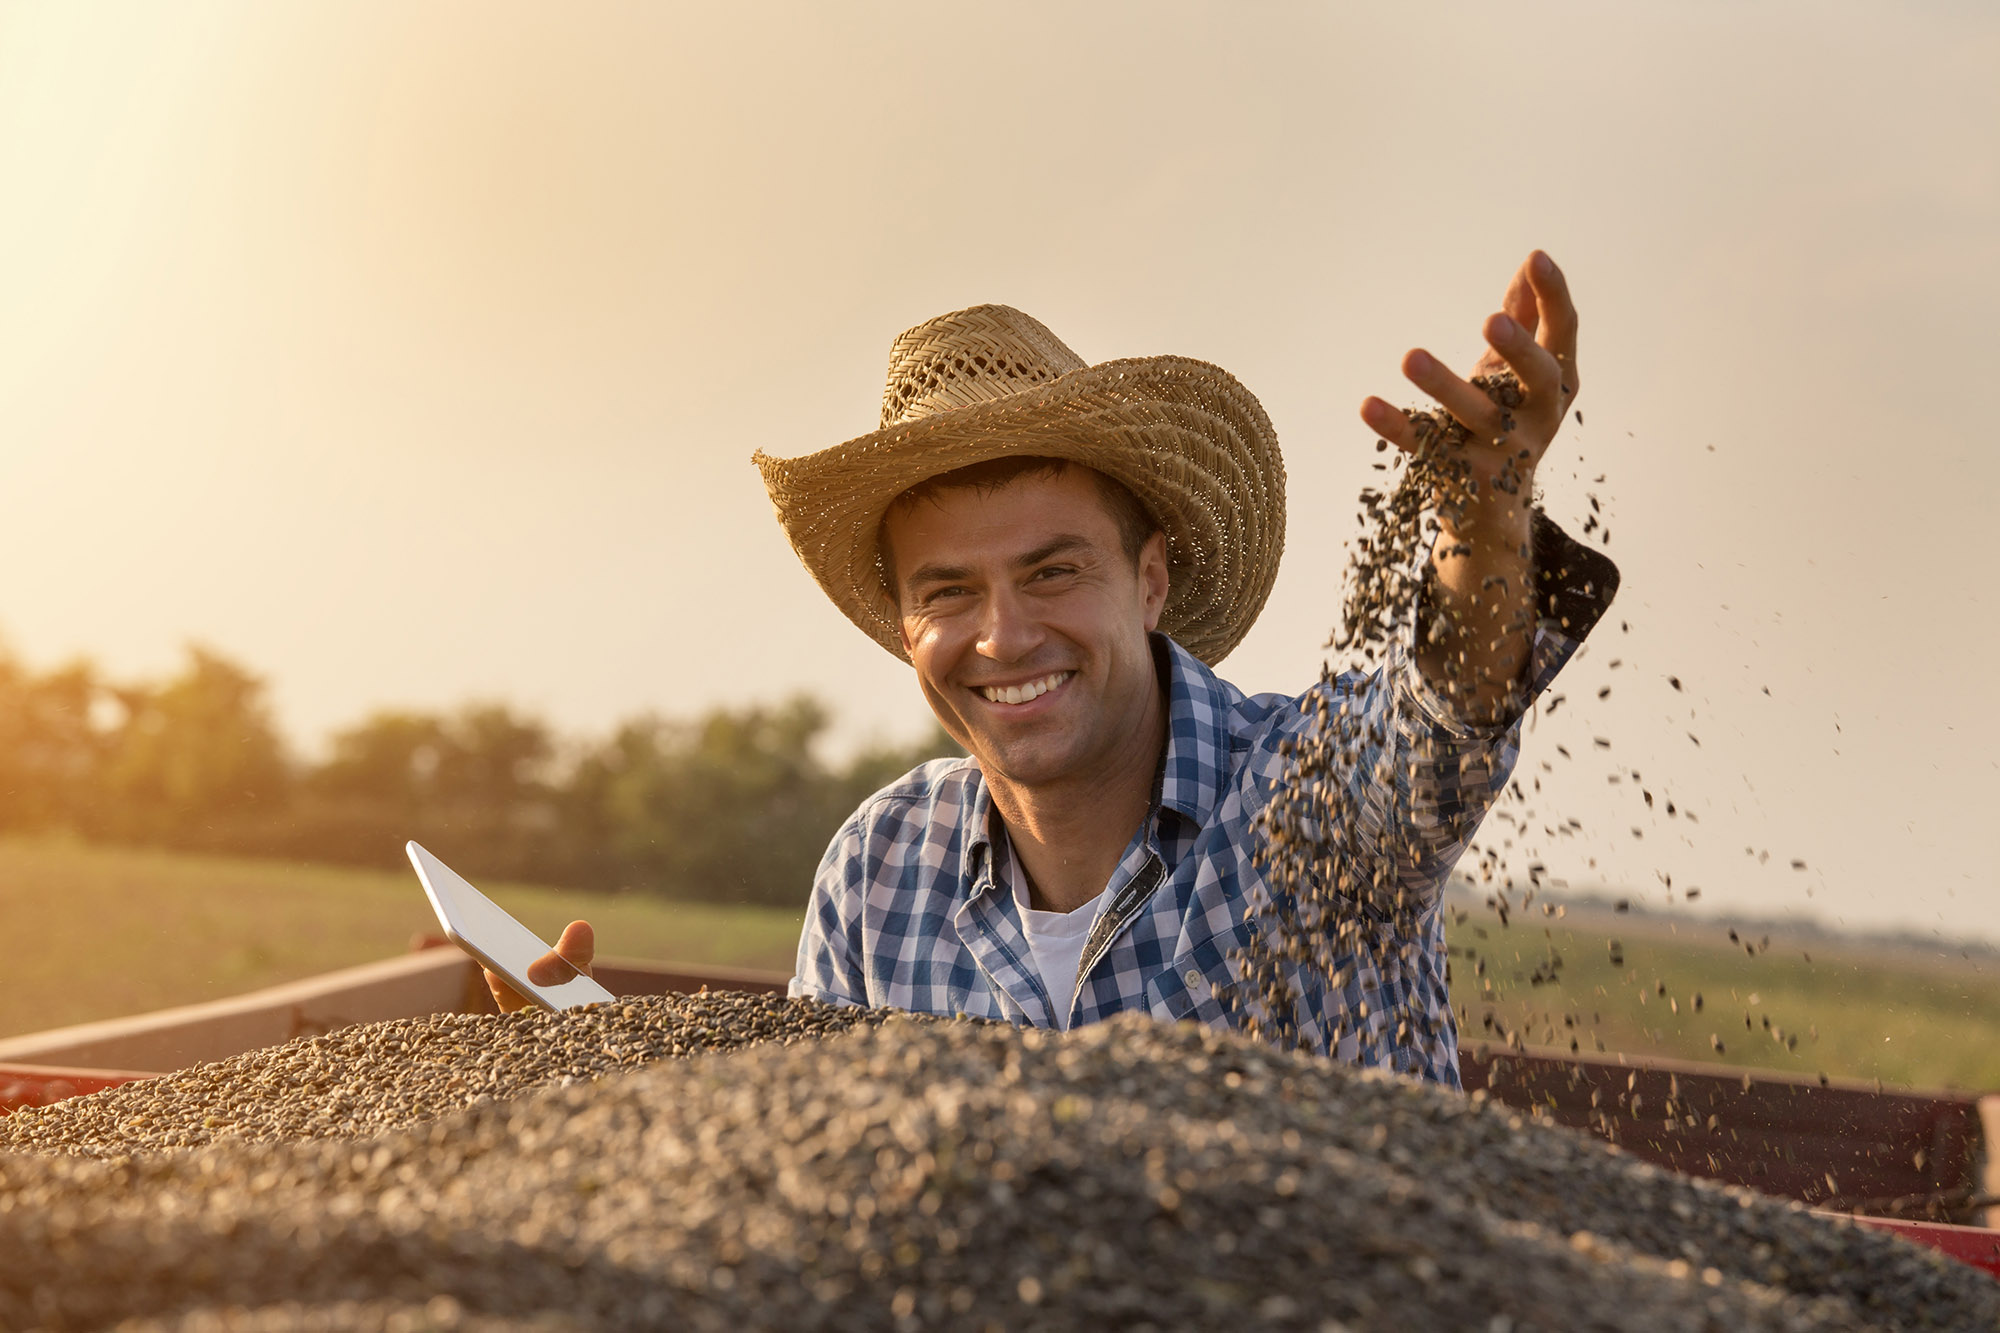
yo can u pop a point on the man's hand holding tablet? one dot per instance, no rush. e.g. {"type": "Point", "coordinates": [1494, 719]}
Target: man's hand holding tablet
{"type": "Point", "coordinates": [520, 968]}
{"type": "Point", "coordinates": [572, 954]}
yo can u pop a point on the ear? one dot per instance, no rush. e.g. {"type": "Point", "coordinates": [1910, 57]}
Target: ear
{"type": "Point", "coordinates": [1153, 578]}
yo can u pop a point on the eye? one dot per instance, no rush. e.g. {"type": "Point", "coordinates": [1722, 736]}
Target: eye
{"type": "Point", "coordinates": [1047, 572]}
{"type": "Point", "coordinates": [935, 595]}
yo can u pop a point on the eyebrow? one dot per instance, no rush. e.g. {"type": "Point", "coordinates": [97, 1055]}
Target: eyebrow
{"type": "Point", "coordinates": [1057, 545]}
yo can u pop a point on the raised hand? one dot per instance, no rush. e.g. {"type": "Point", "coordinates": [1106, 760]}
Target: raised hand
{"type": "Point", "coordinates": [1482, 563]}
{"type": "Point", "coordinates": [1534, 336]}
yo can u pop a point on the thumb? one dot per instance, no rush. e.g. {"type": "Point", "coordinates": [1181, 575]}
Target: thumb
{"type": "Point", "coordinates": [1519, 302]}
{"type": "Point", "coordinates": [572, 954]}
{"type": "Point", "coordinates": [578, 945]}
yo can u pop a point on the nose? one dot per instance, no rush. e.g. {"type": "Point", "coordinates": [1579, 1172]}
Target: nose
{"type": "Point", "coordinates": [1010, 630]}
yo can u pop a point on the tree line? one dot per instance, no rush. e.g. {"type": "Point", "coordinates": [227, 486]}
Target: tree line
{"type": "Point", "coordinates": [736, 805]}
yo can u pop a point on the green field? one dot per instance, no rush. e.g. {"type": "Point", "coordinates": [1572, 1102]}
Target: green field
{"type": "Point", "coordinates": [100, 932]}
{"type": "Point", "coordinates": [1925, 1018]}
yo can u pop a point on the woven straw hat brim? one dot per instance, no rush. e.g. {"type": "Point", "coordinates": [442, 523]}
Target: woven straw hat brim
{"type": "Point", "coordinates": [1189, 441]}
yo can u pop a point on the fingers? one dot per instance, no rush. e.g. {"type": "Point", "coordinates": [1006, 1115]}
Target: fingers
{"type": "Point", "coordinates": [1558, 315]}
{"type": "Point", "coordinates": [1470, 405]}
{"type": "Point", "coordinates": [573, 954]}
{"type": "Point", "coordinates": [579, 945]}
{"type": "Point", "coordinates": [505, 996]}
{"type": "Point", "coordinates": [1528, 359]}
{"type": "Point", "coordinates": [1520, 303]}
{"type": "Point", "coordinates": [1388, 421]}
{"type": "Point", "coordinates": [1534, 335]}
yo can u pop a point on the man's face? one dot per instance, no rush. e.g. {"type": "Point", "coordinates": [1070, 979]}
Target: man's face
{"type": "Point", "coordinates": [1027, 623]}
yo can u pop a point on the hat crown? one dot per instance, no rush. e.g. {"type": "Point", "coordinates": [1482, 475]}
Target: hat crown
{"type": "Point", "coordinates": [970, 356]}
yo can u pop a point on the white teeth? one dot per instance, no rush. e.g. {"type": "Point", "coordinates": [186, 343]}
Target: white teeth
{"type": "Point", "coordinates": [1020, 694]}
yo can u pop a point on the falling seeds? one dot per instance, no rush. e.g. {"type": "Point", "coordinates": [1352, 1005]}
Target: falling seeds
{"type": "Point", "coordinates": [1317, 916]}
{"type": "Point", "coordinates": [1314, 918]}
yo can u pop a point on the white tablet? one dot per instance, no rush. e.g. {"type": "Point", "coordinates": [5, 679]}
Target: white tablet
{"type": "Point", "coordinates": [478, 925]}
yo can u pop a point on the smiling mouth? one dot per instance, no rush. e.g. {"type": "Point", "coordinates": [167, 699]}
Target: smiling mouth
{"type": "Point", "coordinates": [1020, 694]}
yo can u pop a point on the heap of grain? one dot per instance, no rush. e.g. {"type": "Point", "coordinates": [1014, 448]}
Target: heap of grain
{"type": "Point", "coordinates": [910, 1174]}
{"type": "Point", "coordinates": [373, 1077]}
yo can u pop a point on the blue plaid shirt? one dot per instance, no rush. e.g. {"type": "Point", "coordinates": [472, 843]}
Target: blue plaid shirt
{"type": "Point", "coordinates": [911, 908]}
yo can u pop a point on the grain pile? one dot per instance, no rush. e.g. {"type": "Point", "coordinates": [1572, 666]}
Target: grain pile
{"type": "Point", "coordinates": [372, 1077]}
{"type": "Point", "coordinates": [939, 1174]}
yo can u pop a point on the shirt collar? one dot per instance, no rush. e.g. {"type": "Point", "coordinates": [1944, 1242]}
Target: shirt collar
{"type": "Point", "coordinates": [1193, 769]}
{"type": "Point", "coordinates": [1190, 778]}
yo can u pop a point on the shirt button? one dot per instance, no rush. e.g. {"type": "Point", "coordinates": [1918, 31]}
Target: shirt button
{"type": "Point", "coordinates": [1193, 977]}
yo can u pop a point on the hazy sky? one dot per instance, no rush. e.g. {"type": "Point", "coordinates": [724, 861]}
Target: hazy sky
{"type": "Point", "coordinates": [410, 353]}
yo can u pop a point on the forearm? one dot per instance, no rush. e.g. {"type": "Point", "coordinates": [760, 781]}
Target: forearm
{"type": "Point", "coordinates": [1473, 645]}
{"type": "Point", "coordinates": [1482, 446]}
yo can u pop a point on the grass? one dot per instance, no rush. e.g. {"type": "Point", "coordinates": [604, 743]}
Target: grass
{"type": "Point", "coordinates": [1890, 1012]}
{"type": "Point", "coordinates": [97, 932]}
{"type": "Point", "coordinates": [101, 932]}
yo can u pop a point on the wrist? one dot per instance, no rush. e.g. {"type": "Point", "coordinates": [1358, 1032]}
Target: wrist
{"type": "Point", "coordinates": [1491, 515]}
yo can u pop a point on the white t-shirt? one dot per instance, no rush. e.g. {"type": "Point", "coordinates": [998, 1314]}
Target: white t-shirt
{"type": "Point", "coordinates": [1056, 940]}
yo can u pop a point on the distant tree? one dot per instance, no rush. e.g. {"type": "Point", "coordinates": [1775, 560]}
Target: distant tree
{"type": "Point", "coordinates": [391, 759]}
{"type": "Point", "coordinates": [736, 806]}
{"type": "Point", "coordinates": [191, 758]}
{"type": "Point", "coordinates": [475, 786]}
{"type": "Point", "coordinates": [495, 759]}
{"type": "Point", "coordinates": [712, 809]}
{"type": "Point", "coordinates": [50, 747]}
{"type": "Point", "coordinates": [879, 765]}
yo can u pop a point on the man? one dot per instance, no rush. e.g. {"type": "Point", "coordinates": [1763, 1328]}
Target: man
{"type": "Point", "coordinates": [1062, 552]}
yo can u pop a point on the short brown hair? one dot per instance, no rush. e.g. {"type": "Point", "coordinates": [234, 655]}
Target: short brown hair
{"type": "Point", "coordinates": [1134, 521]}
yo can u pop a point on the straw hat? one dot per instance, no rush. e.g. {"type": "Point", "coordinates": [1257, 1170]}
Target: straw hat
{"type": "Point", "coordinates": [1189, 441]}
